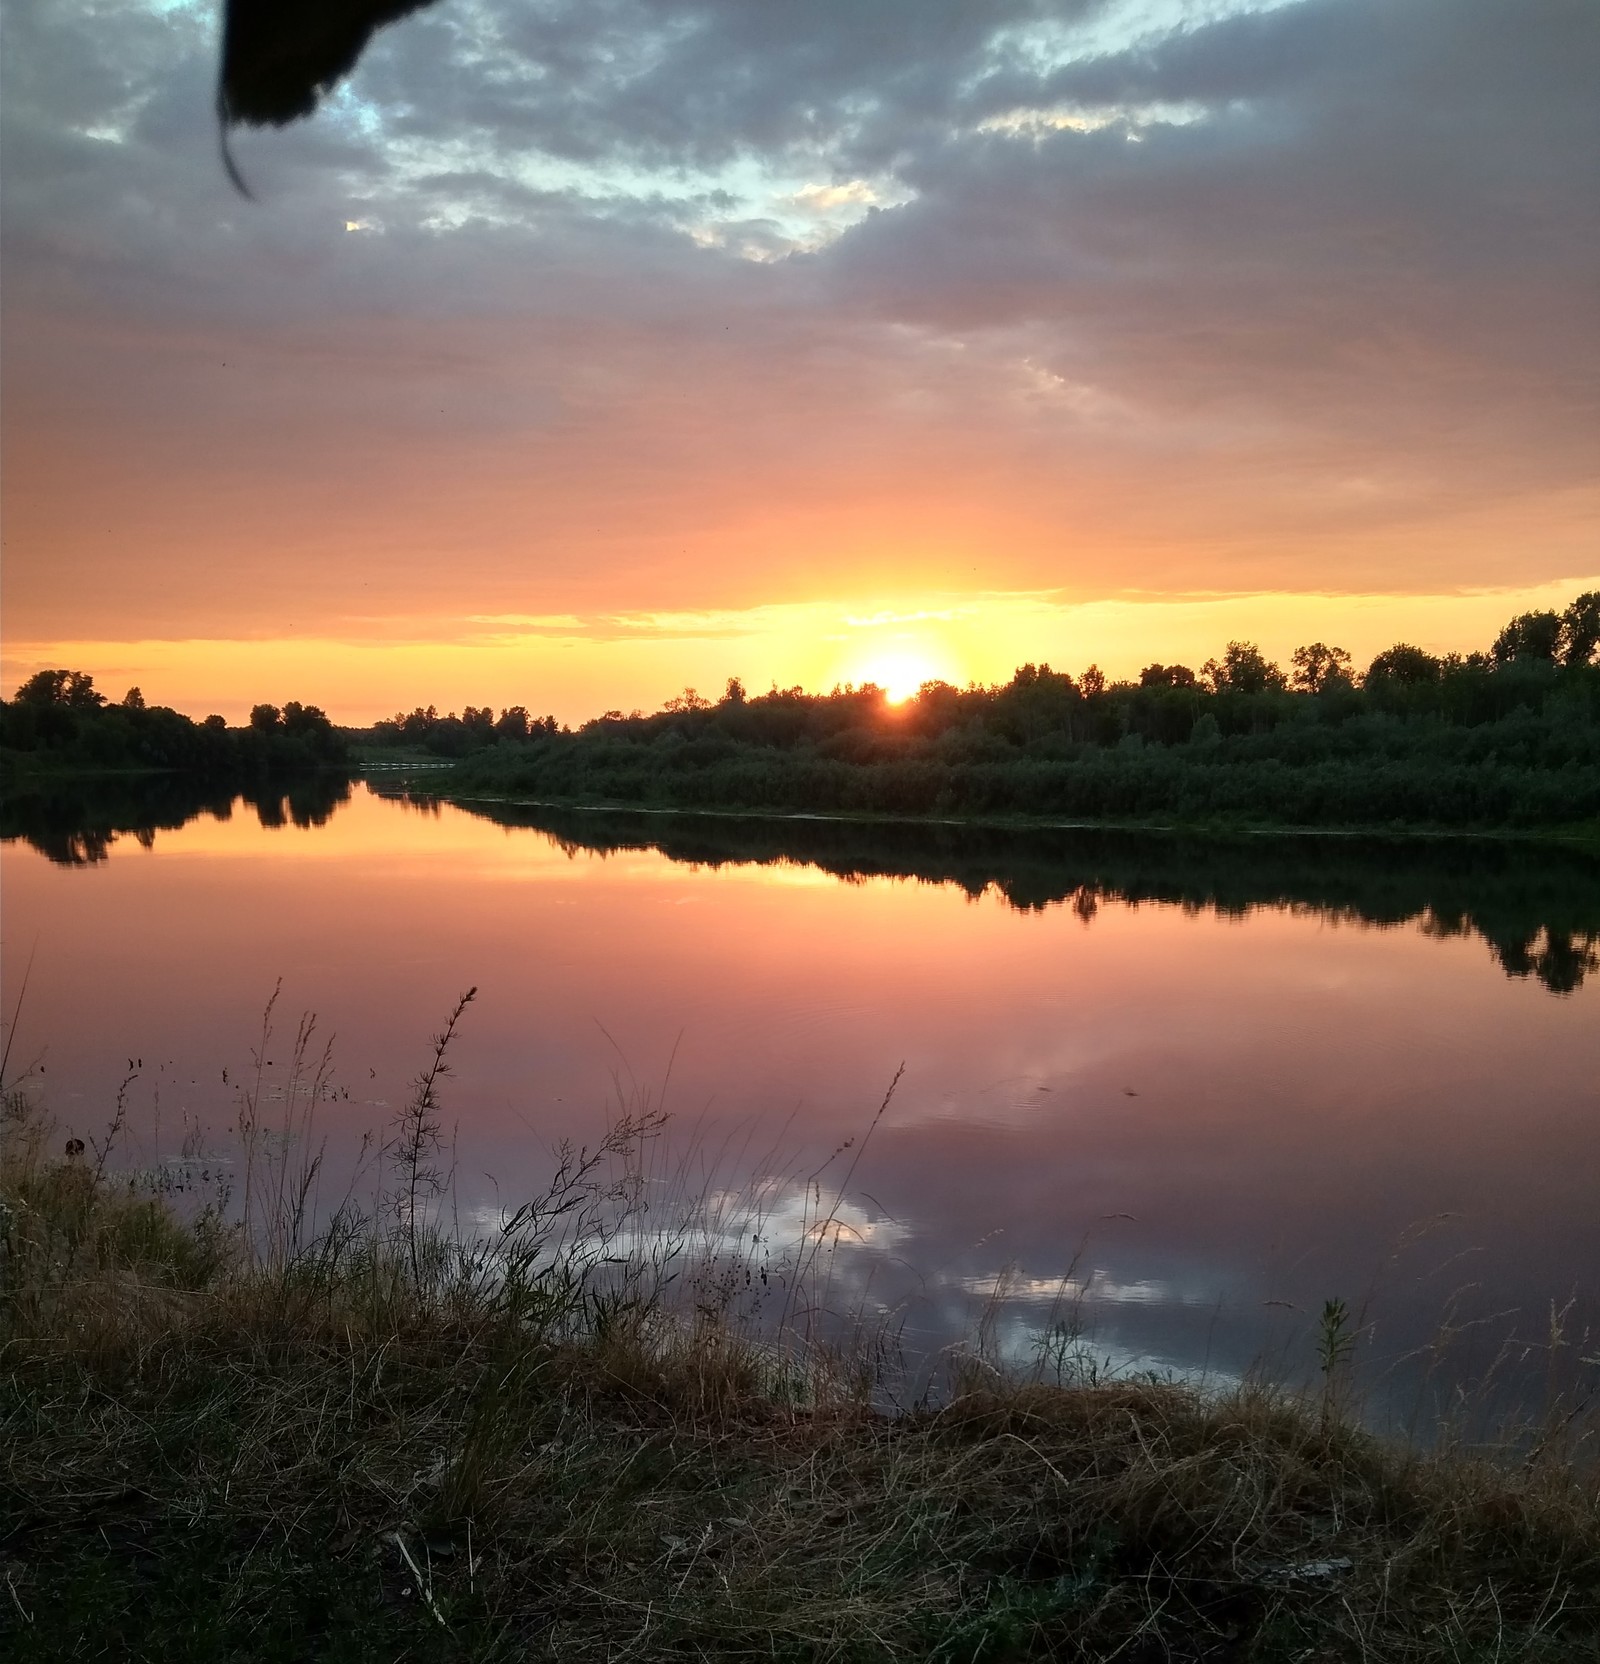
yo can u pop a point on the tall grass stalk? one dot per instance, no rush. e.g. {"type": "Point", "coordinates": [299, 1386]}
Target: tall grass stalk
{"type": "Point", "coordinates": [419, 1133]}
{"type": "Point", "coordinates": [574, 1437]}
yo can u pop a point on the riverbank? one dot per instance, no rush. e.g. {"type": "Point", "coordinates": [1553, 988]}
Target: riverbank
{"type": "Point", "coordinates": [373, 1444]}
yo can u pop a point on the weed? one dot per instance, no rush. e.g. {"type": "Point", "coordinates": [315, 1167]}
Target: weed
{"type": "Point", "coordinates": [1336, 1342]}
{"type": "Point", "coordinates": [367, 1439]}
{"type": "Point", "coordinates": [418, 1138]}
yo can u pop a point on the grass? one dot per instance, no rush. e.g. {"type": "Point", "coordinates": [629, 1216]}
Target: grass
{"type": "Point", "coordinates": [369, 1439]}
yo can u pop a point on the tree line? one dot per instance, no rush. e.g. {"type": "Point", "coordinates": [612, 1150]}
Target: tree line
{"type": "Point", "coordinates": [444, 734]}
{"type": "Point", "coordinates": [1506, 737]}
{"type": "Point", "coordinates": [59, 721]}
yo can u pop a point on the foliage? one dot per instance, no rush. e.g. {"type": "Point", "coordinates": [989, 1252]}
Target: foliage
{"type": "Point", "coordinates": [444, 734]}
{"type": "Point", "coordinates": [1244, 669]}
{"type": "Point", "coordinates": [59, 722]}
{"type": "Point", "coordinates": [1319, 666]}
{"type": "Point", "coordinates": [1506, 739]}
{"type": "Point", "coordinates": [1039, 748]}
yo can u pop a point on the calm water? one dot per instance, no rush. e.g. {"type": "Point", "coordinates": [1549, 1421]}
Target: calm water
{"type": "Point", "coordinates": [1210, 1086]}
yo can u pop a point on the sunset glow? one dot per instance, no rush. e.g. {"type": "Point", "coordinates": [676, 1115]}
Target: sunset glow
{"type": "Point", "coordinates": [575, 666]}
{"type": "Point", "coordinates": [1124, 337]}
{"type": "Point", "coordinates": [901, 674]}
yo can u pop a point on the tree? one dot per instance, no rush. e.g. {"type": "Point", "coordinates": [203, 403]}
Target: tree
{"type": "Point", "coordinates": [264, 718]}
{"type": "Point", "coordinates": [306, 720]}
{"type": "Point", "coordinates": [1530, 635]}
{"type": "Point", "coordinates": [1244, 669]}
{"type": "Point", "coordinates": [1404, 666]}
{"type": "Point", "coordinates": [72, 688]}
{"type": "Point", "coordinates": [1580, 629]}
{"type": "Point", "coordinates": [1168, 676]}
{"type": "Point", "coordinates": [133, 700]}
{"type": "Point", "coordinates": [1319, 666]}
{"type": "Point", "coordinates": [1092, 682]}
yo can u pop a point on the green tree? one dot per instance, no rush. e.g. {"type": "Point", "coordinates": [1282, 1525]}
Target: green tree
{"type": "Point", "coordinates": [1580, 629]}
{"type": "Point", "coordinates": [307, 721]}
{"type": "Point", "coordinates": [1319, 666]}
{"type": "Point", "coordinates": [1403, 665]}
{"type": "Point", "coordinates": [1244, 669]}
{"type": "Point", "coordinates": [72, 688]}
{"type": "Point", "coordinates": [1530, 635]}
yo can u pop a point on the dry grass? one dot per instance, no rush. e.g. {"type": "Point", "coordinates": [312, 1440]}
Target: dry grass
{"type": "Point", "coordinates": [375, 1445]}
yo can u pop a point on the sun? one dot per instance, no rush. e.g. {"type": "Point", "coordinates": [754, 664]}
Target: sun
{"type": "Point", "coordinates": [900, 674]}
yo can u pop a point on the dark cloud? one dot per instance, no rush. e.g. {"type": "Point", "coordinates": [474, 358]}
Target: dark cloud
{"type": "Point", "coordinates": [698, 83]}
{"type": "Point", "coordinates": [1377, 227]}
{"type": "Point", "coordinates": [1259, 299]}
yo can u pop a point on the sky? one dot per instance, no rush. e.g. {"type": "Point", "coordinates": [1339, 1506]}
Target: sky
{"type": "Point", "coordinates": [581, 350]}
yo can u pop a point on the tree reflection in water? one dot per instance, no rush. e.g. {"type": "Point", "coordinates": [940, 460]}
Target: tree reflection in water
{"type": "Point", "coordinates": [75, 823]}
{"type": "Point", "coordinates": [1536, 906]}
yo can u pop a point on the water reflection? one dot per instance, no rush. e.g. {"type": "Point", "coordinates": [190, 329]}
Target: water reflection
{"type": "Point", "coordinates": [75, 823]}
{"type": "Point", "coordinates": [1183, 1091]}
{"type": "Point", "coordinates": [1537, 907]}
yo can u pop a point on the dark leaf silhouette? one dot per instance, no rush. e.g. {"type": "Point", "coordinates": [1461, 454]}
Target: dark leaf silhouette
{"type": "Point", "coordinates": [279, 57]}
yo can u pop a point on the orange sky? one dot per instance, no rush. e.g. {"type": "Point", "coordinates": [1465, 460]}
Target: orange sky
{"type": "Point", "coordinates": [574, 668]}
{"type": "Point", "coordinates": [702, 340]}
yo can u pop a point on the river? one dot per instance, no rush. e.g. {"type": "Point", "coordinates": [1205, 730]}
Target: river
{"type": "Point", "coordinates": [1172, 1094]}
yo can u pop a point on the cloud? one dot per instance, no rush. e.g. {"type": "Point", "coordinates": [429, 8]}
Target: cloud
{"type": "Point", "coordinates": [673, 307]}
{"type": "Point", "coordinates": [1355, 245]}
